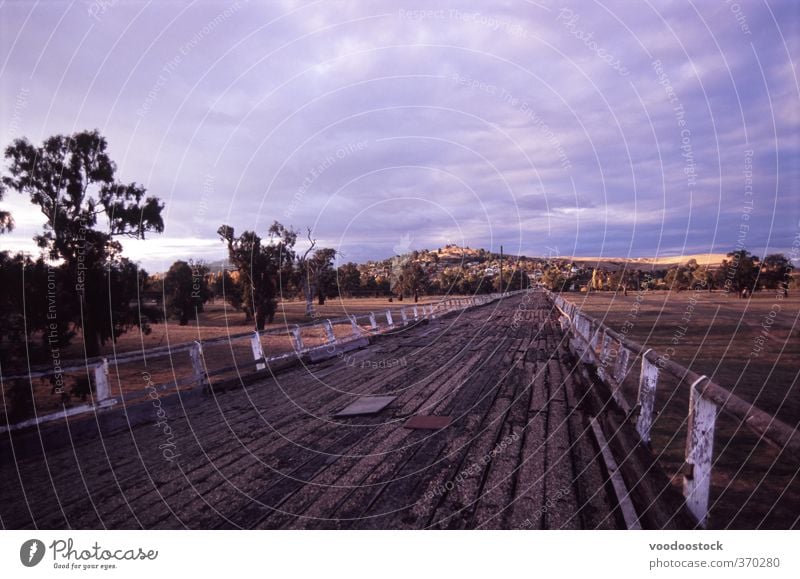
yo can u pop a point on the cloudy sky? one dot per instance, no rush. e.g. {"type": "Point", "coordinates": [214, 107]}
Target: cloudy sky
{"type": "Point", "coordinates": [578, 128]}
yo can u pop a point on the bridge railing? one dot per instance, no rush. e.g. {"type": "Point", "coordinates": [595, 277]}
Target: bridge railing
{"type": "Point", "coordinates": [192, 365]}
{"type": "Point", "coordinates": [613, 354]}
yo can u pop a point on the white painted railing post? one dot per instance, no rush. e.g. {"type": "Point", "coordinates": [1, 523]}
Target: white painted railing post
{"type": "Point", "coordinates": [198, 368]}
{"type": "Point", "coordinates": [101, 391]}
{"type": "Point", "coordinates": [297, 338]}
{"type": "Point", "coordinates": [404, 315]}
{"type": "Point", "coordinates": [699, 452]}
{"type": "Point", "coordinates": [621, 367]}
{"type": "Point", "coordinates": [331, 337]}
{"type": "Point", "coordinates": [356, 327]}
{"type": "Point", "coordinates": [416, 313]}
{"type": "Point", "coordinates": [258, 351]}
{"type": "Point", "coordinates": [605, 355]}
{"type": "Point", "coordinates": [564, 322]}
{"type": "Point", "coordinates": [389, 320]}
{"type": "Point", "coordinates": [595, 337]}
{"type": "Point", "coordinates": [646, 399]}
{"type": "Point", "coordinates": [372, 321]}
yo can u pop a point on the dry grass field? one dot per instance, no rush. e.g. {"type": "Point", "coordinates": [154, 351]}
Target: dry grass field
{"type": "Point", "coordinates": [749, 346]}
{"type": "Point", "coordinates": [219, 320]}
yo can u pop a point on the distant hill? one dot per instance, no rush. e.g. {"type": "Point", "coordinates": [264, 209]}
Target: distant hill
{"type": "Point", "coordinates": [703, 259]}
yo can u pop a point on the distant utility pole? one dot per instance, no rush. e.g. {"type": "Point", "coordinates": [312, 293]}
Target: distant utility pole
{"type": "Point", "coordinates": [501, 269]}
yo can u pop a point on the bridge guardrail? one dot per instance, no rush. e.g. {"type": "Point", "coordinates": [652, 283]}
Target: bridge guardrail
{"type": "Point", "coordinates": [305, 338]}
{"type": "Point", "coordinates": [613, 353]}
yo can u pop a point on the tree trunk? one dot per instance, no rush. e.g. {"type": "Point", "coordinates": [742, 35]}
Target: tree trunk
{"type": "Point", "coordinates": [261, 318]}
{"type": "Point", "coordinates": [308, 293]}
{"type": "Point", "coordinates": [91, 340]}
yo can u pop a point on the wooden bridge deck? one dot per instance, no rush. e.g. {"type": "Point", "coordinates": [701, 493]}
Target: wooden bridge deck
{"type": "Point", "coordinates": [519, 452]}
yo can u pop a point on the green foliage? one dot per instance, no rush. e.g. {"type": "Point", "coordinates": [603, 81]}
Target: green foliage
{"type": "Point", "coordinates": [348, 279]}
{"type": "Point", "coordinates": [776, 271]}
{"type": "Point", "coordinates": [264, 269]}
{"type": "Point", "coordinates": [231, 291]}
{"type": "Point", "coordinates": [72, 181]}
{"type": "Point", "coordinates": [738, 272]}
{"type": "Point", "coordinates": [186, 290]}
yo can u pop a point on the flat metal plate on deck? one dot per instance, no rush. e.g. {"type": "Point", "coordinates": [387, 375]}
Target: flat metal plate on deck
{"type": "Point", "coordinates": [427, 422]}
{"type": "Point", "coordinates": [365, 405]}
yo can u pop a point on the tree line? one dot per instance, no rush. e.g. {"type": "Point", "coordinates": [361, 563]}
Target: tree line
{"type": "Point", "coordinates": [81, 284]}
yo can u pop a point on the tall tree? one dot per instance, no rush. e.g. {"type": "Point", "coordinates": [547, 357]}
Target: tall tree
{"type": "Point", "coordinates": [185, 290]}
{"type": "Point", "coordinates": [348, 278]}
{"type": "Point", "coordinates": [738, 272]}
{"type": "Point", "coordinates": [314, 269]}
{"type": "Point", "coordinates": [6, 221]}
{"type": "Point", "coordinates": [229, 289]}
{"type": "Point", "coordinates": [414, 279]}
{"type": "Point", "coordinates": [72, 180]}
{"type": "Point", "coordinates": [264, 269]}
{"type": "Point", "coordinates": [776, 271]}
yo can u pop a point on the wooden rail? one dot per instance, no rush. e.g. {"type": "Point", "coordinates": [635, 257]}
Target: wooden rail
{"type": "Point", "coordinates": [706, 399]}
{"type": "Point", "coordinates": [201, 374]}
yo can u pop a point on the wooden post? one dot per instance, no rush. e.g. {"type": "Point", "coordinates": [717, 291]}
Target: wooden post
{"type": "Point", "coordinates": [564, 322]}
{"type": "Point", "coordinates": [404, 314]}
{"type": "Point", "coordinates": [595, 337]}
{"type": "Point", "coordinates": [356, 328]}
{"type": "Point", "coordinates": [605, 355]}
{"type": "Point", "coordinates": [101, 391]}
{"type": "Point", "coordinates": [621, 367]}
{"type": "Point", "coordinates": [198, 368]}
{"type": "Point", "coordinates": [329, 332]}
{"type": "Point", "coordinates": [297, 338]}
{"type": "Point", "coordinates": [699, 453]}
{"type": "Point", "coordinates": [258, 351]}
{"type": "Point", "coordinates": [646, 399]}
{"type": "Point", "coordinates": [372, 321]}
